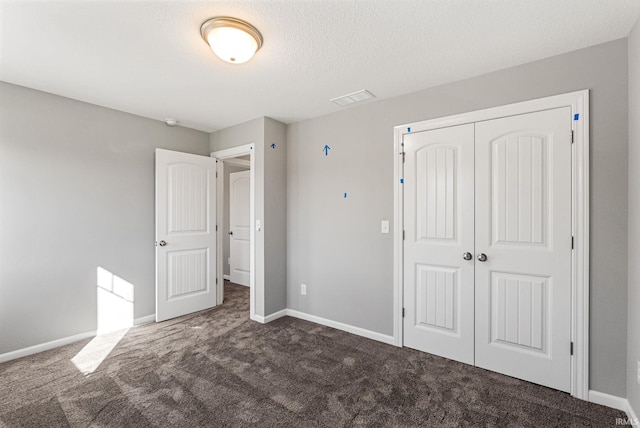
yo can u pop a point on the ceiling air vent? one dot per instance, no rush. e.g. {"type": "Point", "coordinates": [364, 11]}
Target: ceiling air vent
{"type": "Point", "coordinates": [353, 98]}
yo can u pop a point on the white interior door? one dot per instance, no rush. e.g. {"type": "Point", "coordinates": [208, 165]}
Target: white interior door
{"type": "Point", "coordinates": [438, 223]}
{"type": "Point", "coordinates": [523, 226]}
{"type": "Point", "coordinates": [185, 233]}
{"type": "Point", "coordinates": [239, 227]}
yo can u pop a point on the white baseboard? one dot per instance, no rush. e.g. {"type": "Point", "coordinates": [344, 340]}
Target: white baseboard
{"type": "Point", "coordinates": [261, 319]}
{"type": "Point", "coordinates": [608, 400]}
{"type": "Point", "coordinates": [19, 353]}
{"type": "Point", "coordinates": [274, 316]}
{"type": "Point", "coordinates": [228, 278]}
{"type": "Point", "coordinates": [631, 414]}
{"type": "Point", "coordinates": [344, 327]}
{"type": "Point", "coordinates": [615, 402]}
{"type": "Point", "coordinates": [144, 320]}
{"type": "Point", "coordinates": [326, 322]}
{"type": "Point", "coordinates": [24, 352]}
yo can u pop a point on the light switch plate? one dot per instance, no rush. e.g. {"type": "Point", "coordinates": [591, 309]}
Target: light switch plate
{"type": "Point", "coordinates": [384, 228]}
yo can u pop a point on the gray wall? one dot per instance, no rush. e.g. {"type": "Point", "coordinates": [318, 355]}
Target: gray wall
{"type": "Point", "coordinates": [270, 191]}
{"type": "Point", "coordinates": [275, 224]}
{"type": "Point", "coordinates": [226, 252]}
{"type": "Point", "coordinates": [334, 244]}
{"type": "Point", "coordinates": [633, 334]}
{"type": "Point", "coordinates": [251, 132]}
{"type": "Point", "coordinates": [77, 192]}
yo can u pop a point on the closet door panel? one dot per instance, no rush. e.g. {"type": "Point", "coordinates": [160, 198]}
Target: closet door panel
{"type": "Point", "coordinates": [438, 222]}
{"type": "Point", "coordinates": [523, 228]}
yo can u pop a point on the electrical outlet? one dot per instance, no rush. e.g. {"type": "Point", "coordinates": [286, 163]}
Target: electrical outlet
{"type": "Point", "coordinates": [638, 371]}
{"type": "Point", "coordinates": [303, 289]}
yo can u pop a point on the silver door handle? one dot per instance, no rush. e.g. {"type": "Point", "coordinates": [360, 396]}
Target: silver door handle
{"type": "Point", "coordinates": [482, 257]}
{"type": "Point", "coordinates": [467, 256]}
{"type": "Point", "coordinates": [162, 243]}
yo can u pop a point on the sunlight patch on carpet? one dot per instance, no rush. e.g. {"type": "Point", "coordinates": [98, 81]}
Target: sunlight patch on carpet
{"type": "Point", "coordinates": [95, 352]}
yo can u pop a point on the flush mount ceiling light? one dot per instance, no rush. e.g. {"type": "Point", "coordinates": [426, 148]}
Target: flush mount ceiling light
{"type": "Point", "coordinates": [232, 40]}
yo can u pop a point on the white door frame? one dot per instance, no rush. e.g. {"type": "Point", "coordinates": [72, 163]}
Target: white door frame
{"type": "Point", "coordinates": [579, 103]}
{"type": "Point", "coordinates": [221, 155]}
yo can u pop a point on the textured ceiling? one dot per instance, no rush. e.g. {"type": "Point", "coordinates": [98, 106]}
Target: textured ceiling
{"type": "Point", "coordinates": [148, 58]}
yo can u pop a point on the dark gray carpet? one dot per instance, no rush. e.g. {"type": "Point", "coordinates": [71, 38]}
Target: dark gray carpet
{"type": "Point", "coordinates": [217, 368]}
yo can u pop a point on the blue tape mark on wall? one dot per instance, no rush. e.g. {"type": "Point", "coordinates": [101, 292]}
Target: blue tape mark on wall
{"type": "Point", "coordinates": [402, 181]}
{"type": "Point", "coordinates": [326, 150]}
{"type": "Point", "coordinates": [408, 129]}
{"type": "Point", "coordinates": [345, 195]}
{"type": "Point", "coordinates": [576, 116]}
{"type": "Point", "coordinates": [273, 146]}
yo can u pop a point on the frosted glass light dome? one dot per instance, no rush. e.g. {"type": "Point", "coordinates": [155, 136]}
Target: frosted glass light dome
{"type": "Point", "coordinates": [232, 40]}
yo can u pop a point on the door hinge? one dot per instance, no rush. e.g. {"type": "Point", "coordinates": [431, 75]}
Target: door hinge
{"type": "Point", "coordinates": [403, 235]}
{"type": "Point", "coordinates": [216, 227]}
{"type": "Point", "coordinates": [571, 348]}
{"type": "Point", "coordinates": [216, 174]}
{"type": "Point", "coordinates": [572, 242]}
{"type": "Point", "coordinates": [403, 153]}
{"type": "Point", "coordinates": [402, 312]}
{"type": "Point", "coordinates": [572, 137]}
{"type": "Point", "coordinates": [216, 279]}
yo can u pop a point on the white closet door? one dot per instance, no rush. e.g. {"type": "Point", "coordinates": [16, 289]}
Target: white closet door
{"type": "Point", "coordinates": [239, 227]}
{"type": "Point", "coordinates": [438, 222]}
{"type": "Point", "coordinates": [185, 233]}
{"type": "Point", "coordinates": [523, 226]}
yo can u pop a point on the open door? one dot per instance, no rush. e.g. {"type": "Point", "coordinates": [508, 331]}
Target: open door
{"type": "Point", "coordinates": [185, 233]}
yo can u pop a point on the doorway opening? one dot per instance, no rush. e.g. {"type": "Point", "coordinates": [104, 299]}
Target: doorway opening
{"type": "Point", "coordinates": [236, 226]}
{"type": "Point", "coordinates": [235, 170]}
